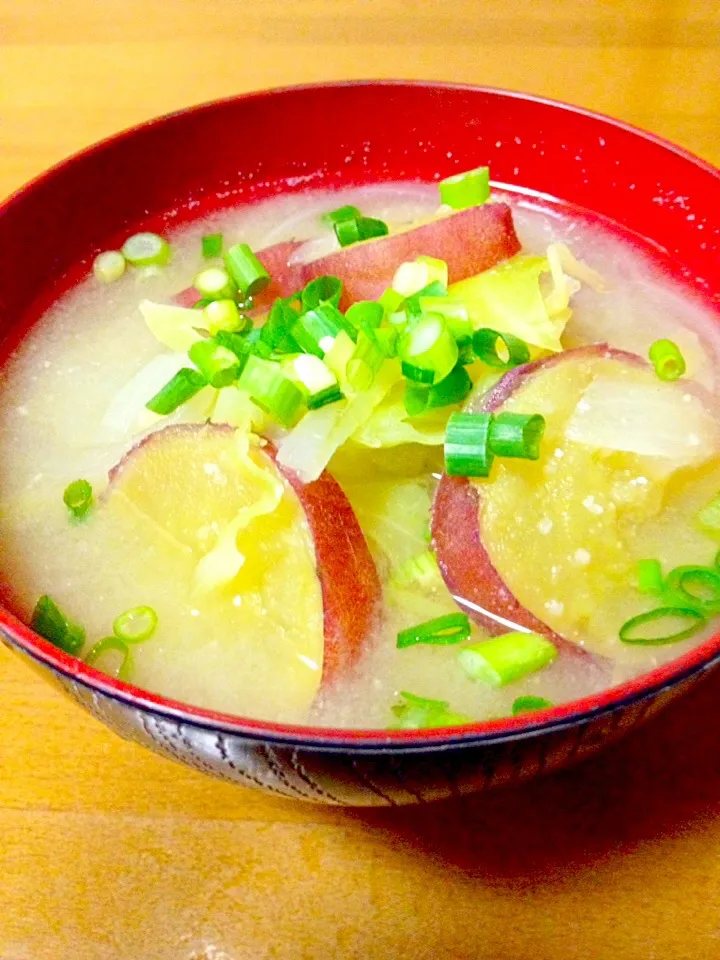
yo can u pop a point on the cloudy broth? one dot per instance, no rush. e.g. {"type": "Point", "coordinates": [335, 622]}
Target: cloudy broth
{"type": "Point", "coordinates": [55, 396]}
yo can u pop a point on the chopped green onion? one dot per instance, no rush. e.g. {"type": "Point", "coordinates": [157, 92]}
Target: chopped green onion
{"type": "Point", "coordinates": [146, 249]}
{"type": "Point", "coordinates": [417, 713]}
{"type": "Point", "coordinates": [667, 360]}
{"type": "Point", "coordinates": [437, 270]}
{"type": "Point", "coordinates": [359, 228]}
{"type": "Point", "coordinates": [500, 349]}
{"type": "Point", "coordinates": [338, 355]}
{"type": "Point", "coordinates": [223, 315]}
{"type": "Point", "coordinates": [466, 352]}
{"type": "Point", "coordinates": [417, 374]}
{"type": "Point", "coordinates": [529, 704]}
{"type": "Point", "coordinates": [399, 321]}
{"type": "Point", "coordinates": [248, 273]}
{"type": "Point", "coordinates": [51, 623]}
{"type": "Point", "coordinates": [347, 212]}
{"type": "Point", "coordinates": [390, 301]}
{"type": "Point", "coordinates": [416, 398]}
{"type": "Point", "coordinates": [690, 621]}
{"type": "Point", "coordinates": [467, 447]}
{"type": "Point", "coordinates": [212, 245]}
{"type": "Point", "coordinates": [386, 338]}
{"type": "Point", "coordinates": [108, 644]}
{"type": "Point", "coordinates": [504, 659]}
{"type": "Point", "coordinates": [347, 231]}
{"type": "Point", "coordinates": [322, 290]}
{"type": "Point", "coordinates": [365, 315]}
{"type": "Point", "coordinates": [241, 345]}
{"type": "Point", "coordinates": [410, 277]}
{"type": "Point", "coordinates": [421, 569]}
{"type": "Point", "coordinates": [215, 283]}
{"type": "Point", "coordinates": [694, 586]}
{"type": "Point", "coordinates": [275, 332]}
{"type": "Point", "coordinates": [218, 365]}
{"type": "Point", "coordinates": [463, 190]}
{"type": "Point", "coordinates": [453, 311]}
{"type": "Point", "coordinates": [424, 702]}
{"type": "Point", "coordinates": [325, 396]}
{"type": "Point", "coordinates": [453, 389]}
{"type": "Point", "coordinates": [370, 227]}
{"type": "Point", "coordinates": [202, 303]}
{"type": "Point", "coordinates": [309, 372]}
{"type": "Point", "coordinates": [78, 498]}
{"type": "Point", "coordinates": [717, 560]}
{"type": "Point", "coordinates": [451, 628]}
{"type": "Point", "coordinates": [272, 390]}
{"type": "Point", "coordinates": [649, 576]}
{"type": "Point", "coordinates": [256, 343]}
{"type": "Point", "coordinates": [415, 275]}
{"type": "Point", "coordinates": [517, 435]}
{"type": "Point", "coordinates": [413, 305]}
{"type": "Point", "coordinates": [366, 319]}
{"type": "Point", "coordinates": [313, 328]}
{"type": "Point", "coordinates": [136, 625]}
{"type": "Point", "coordinates": [109, 266]}
{"type": "Point", "coordinates": [246, 325]}
{"type": "Point", "coordinates": [428, 345]}
{"type": "Point", "coordinates": [365, 362]}
{"type": "Point", "coordinates": [183, 386]}
{"type": "Point", "coordinates": [709, 516]}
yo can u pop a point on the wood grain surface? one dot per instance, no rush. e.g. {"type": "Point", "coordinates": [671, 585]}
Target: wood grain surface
{"type": "Point", "coordinates": [109, 853]}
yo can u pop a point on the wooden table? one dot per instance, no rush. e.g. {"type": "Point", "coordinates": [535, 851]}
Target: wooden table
{"type": "Point", "coordinates": [108, 852]}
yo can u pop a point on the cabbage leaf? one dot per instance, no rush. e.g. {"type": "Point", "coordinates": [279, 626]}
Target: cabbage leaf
{"type": "Point", "coordinates": [175, 327]}
{"type": "Point", "coordinates": [511, 298]}
{"type": "Point", "coordinates": [390, 425]}
{"type": "Point", "coordinates": [223, 563]}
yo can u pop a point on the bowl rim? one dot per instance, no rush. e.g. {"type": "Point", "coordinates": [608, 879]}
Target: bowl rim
{"type": "Point", "coordinates": [643, 688]}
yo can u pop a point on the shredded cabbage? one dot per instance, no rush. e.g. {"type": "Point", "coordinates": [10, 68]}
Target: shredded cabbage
{"type": "Point", "coordinates": [127, 414]}
{"type": "Point", "coordinates": [565, 261]}
{"type": "Point", "coordinates": [509, 297]}
{"type": "Point", "coordinates": [223, 563]}
{"type": "Point", "coordinates": [394, 516]}
{"type": "Point", "coordinates": [338, 357]}
{"type": "Point", "coordinates": [308, 448]}
{"type": "Point", "coordinates": [557, 300]}
{"type": "Point", "coordinates": [419, 570]}
{"type": "Point", "coordinates": [234, 407]}
{"type": "Point", "coordinates": [175, 327]}
{"type": "Point", "coordinates": [389, 424]}
{"type": "Point", "coordinates": [123, 415]}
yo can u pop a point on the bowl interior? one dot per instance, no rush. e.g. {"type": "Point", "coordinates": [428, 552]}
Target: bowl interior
{"type": "Point", "coordinates": [235, 151]}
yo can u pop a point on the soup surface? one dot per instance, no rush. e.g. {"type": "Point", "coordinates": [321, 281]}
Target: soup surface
{"type": "Point", "coordinates": [285, 554]}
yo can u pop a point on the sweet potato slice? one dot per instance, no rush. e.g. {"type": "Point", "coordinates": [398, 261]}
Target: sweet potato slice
{"type": "Point", "coordinates": [463, 509]}
{"type": "Point", "coordinates": [189, 481]}
{"type": "Point", "coordinates": [469, 241]}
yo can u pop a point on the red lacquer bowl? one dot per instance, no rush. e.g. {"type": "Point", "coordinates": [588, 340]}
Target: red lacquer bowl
{"type": "Point", "coordinates": [246, 148]}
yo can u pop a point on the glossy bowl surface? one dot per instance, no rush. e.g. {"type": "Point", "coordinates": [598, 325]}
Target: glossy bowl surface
{"type": "Point", "coordinates": [235, 151]}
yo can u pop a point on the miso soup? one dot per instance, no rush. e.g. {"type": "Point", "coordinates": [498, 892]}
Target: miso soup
{"type": "Point", "coordinates": [386, 456]}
